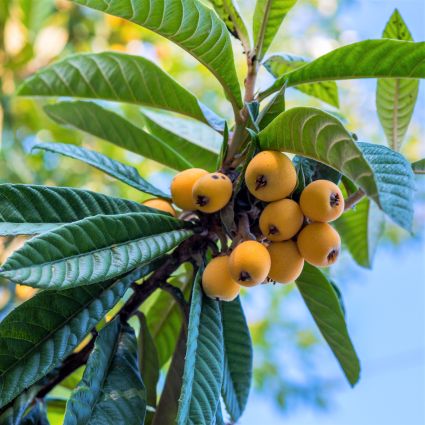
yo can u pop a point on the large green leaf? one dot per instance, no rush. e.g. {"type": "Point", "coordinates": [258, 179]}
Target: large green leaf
{"type": "Point", "coordinates": [101, 122]}
{"type": "Point", "coordinates": [395, 99]}
{"type": "Point", "coordinates": [120, 171]}
{"type": "Point", "coordinates": [323, 303]}
{"type": "Point", "coordinates": [365, 59]}
{"type": "Point", "coordinates": [188, 23]}
{"type": "Point", "coordinates": [360, 229]}
{"type": "Point", "coordinates": [94, 249]}
{"type": "Point", "coordinates": [55, 323]}
{"type": "Point", "coordinates": [148, 365]}
{"type": "Point", "coordinates": [237, 358]}
{"type": "Point", "coordinates": [268, 16]}
{"type": "Point", "coordinates": [280, 64]}
{"type": "Point", "coordinates": [384, 175]}
{"type": "Point", "coordinates": [111, 391]}
{"type": "Point", "coordinates": [418, 167]}
{"type": "Point", "coordinates": [117, 77]}
{"type": "Point", "coordinates": [28, 209]}
{"type": "Point", "coordinates": [203, 371]}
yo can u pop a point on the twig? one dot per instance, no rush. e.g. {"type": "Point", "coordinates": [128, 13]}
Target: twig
{"type": "Point", "coordinates": [353, 199]}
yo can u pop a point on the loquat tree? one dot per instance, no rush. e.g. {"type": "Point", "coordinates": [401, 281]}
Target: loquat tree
{"type": "Point", "coordinates": [239, 213]}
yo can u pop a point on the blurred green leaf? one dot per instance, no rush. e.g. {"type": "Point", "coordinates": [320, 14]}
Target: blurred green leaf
{"type": "Point", "coordinates": [419, 166]}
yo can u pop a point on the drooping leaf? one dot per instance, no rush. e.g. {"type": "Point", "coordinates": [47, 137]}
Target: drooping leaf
{"type": "Point", "coordinates": [148, 365]}
{"type": "Point", "coordinates": [228, 11]}
{"type": "Point", "coordinates": [385, 176]}
{"type": "Point", "coordinates": [55, 323]}
{"type": "Point", "coordinates": [365, 59]}
{"type": "Point", "coordinates": [189, 24]}
{"type": "Point", "coordinates": [268, 16]}
{"type": "Point", "coordinates": [105, 124]}
{"type": "Point", "coordinates": [37, 415]}
{"type": "Point", "coordinates": [117, 77]}
{"type": "Point", "coordinates": [203, 371]}
{"type": "Point", "coordinates": [418, 167]}
{"type": "Point", "coordinates": [111, 391]}
{"type": "Point", "coordinates": [94, 249]}
{"type": "Point", "coordinates": [322, 301]}
{"type": "Point", "coordinates": [280, 64]}
{"type": "Point", "coordinates": [237, 359]}
{"type": "Point", "coordinates": [396, 98]}
{"type": "Point", "coordinates": [120, 171]}
{"type": "Point", "coordinates": [29, 209]}
{"type": "Point", "coordinates": [360, 229]}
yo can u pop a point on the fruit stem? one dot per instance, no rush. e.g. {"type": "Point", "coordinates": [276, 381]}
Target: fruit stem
{"type": "Point", "coordinates": [354, 199]}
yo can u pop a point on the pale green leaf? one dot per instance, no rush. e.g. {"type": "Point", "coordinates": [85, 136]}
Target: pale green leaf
{"type": "Point", "coordinates": [280, 64]}
{"type": "Point", "coordinates": [117, 77]}
{"type": "Point", "coordinates": [120, 171]}
{"type": "Point", "coordinates": [111, 391]}
{"type": "Point", "coordinates": [323, 303]}
{"type": "Point", "coordinates": [189, 24]}
{"type": "Point", "coordinates": [94, 249]}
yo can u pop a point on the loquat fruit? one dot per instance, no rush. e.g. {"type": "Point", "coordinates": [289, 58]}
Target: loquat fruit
{"type": "Point", "coordinates": [286, 261]}
{"type": "Point", "coordinates": [281, 220]}
{"type": "Point", "coordinates": [212, 192]}
{"type": "Point", "coordinates": [319, 244]}
{"type": "Point", "coordinates": [270, 176]}
{"type": "Point", "coordinates": [160, 204]}
{"type": "Point", "coordinates": [322, 200]}
{"type": "Point", "coordinates": [217, 281]}
{"type": "Point", "coordinates": [249, 263]}
{"type": "Point", "coordinates": [182, 186]}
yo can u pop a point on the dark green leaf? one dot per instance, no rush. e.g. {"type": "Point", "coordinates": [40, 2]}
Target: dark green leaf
{"type": "Point", "coordinates": [111, 391]}
{"type": "Point", "coordinates": [396, 98]}
{"type": "Point", "coordinates": [323, 303]}
{"type": "Point", "coordinates": [37, 415]}
{"type": "Point", "coordinates": [237, 359]}
{"type": "Point", "coordinates": [280, 64]}
{"type": "Point", "coordinates": [419, 166]}
{"type": "Point", "coordinates": [203, 371]}
{"type": "Point", "coordinates": [117, 77]}
{"type": "Point", "coordinates": [275, 107]}
{"type": "Point", "coordinates": [189, 24]}
{"type": "Point", "coordinates": [94, 249]}
{"type": "Point", "coordinates": [14, 413]}
{"type": "Point", "coordinates": [365, 59]}
{"type": "Point", "coordinates": [28, 209]}
{"type": "Point", "coordinates": [120, 171]}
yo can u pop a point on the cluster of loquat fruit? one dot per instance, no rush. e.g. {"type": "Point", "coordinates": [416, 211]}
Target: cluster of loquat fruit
{"type": "Point", "coordinates": [291, 232]}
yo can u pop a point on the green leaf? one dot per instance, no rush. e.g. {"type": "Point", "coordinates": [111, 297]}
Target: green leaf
{"type": "Point", "coordinates": [237, 359]}
{"type": "Point", "coordinates": [385, 176]}
{"type": "Point", "coordinates": [120, 171]}
{"type": "Point", "coordinates": [117, 77]}
{"type": "Point", "coordinates": [280, 64]}
{"type": "Point", "coordinates": [322, 301]}
{"type": "Point", "coordinates": [111, 391]}
{"type": "Point", "coordinates": [395, 98]}
{"type": "Point", "coordinates": [105, 124]}
{"type": "Point", "coordinates": [37, 415]}
{"type": "Point", "coordinates": [189, 24]}
{"type": "Point", "coordinates": [55, 323]}
{"type": "Point", "coordinates": [365, 59]}
{"type": "Point", "coordinates": [275, 107]}
{"type": "Point", "coordinates": [228, 11]}
{"type": "Point", "coordinates": [94, 249]}
{"type": "Point", "coordinates": [203, 371]}
{"type": "Point", "coordinates": [360, 229]}
{"type": "Point", "coordinates": [418, 167]}
{"type": "Point", "coordinates": [15, 411]}
{"type": "Point", "coordinates": [28, 209]}
{"type": "Point", "coordinates": [268, 16]}
{"type": "Point", "coordinates": [148, 364]}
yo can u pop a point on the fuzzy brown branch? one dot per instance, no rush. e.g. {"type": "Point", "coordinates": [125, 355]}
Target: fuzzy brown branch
{"type": "Point", "coordinates": [353, 199]}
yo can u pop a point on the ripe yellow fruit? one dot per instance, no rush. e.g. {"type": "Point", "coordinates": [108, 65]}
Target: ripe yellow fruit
{"type": "Point", "coordinates": [287, 262]}
{"type": "Point", "coordinates": [212, 192]}
{"type": "Point", "coordinates": [322, 200]}
{"type": "Point", "coordinates": [182, 186]}
{"type": "Point", "coordinates": [281, 220]}
{"type": "Point", "coordinates": [160, 204]}
{"type": "Point", "coordinates": [24, 293]}
{"type": "Point", "coordinates": [217, 281]}
{"type": "Point", "coordinates": [319, 244]}
{"type": "Point", "coordinates": [270, 176]}
{"type": "Point", "coordinates": [249, 263]}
